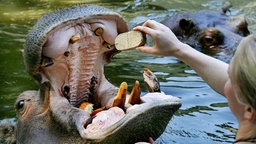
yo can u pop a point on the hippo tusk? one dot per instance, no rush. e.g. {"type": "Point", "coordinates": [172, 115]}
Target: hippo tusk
{"type": "Point", "coordinates": [135, 94]}
{"type": "Point", "coordinates": [120, 97]}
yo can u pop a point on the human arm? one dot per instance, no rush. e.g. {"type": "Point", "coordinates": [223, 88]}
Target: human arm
{"type": "Point", "coordinates": [213, 71]}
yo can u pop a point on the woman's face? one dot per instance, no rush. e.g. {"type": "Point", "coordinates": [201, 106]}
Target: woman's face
{"type": "Point", "coordinates": [229, 90]}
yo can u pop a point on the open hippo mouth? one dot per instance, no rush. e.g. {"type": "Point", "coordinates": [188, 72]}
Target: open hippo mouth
{"type": "Point", "coordinates": [68, 49]}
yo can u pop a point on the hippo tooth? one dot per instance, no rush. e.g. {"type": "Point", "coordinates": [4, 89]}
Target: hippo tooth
{"type": "Point", "coordinates": [120, 97]}
{"type": "Point", "coordinates": [151, 81]}
{"type": "Point", "coordinates": [107, 45]}
{"type": "Point", "coordinates": [135, 94]}
{"type": "Point", "coordinates": [149, 72]}
{"type": "Point", "coordinates": [74, 39]}
{"type": "Point", "coordinates": [99, 31]}
{"type": "Point", "coordinates": [211, 47]}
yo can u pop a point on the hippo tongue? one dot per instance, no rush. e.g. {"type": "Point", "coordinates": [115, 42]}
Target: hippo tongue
{"type": "Point", "coordinates": [105, 119]}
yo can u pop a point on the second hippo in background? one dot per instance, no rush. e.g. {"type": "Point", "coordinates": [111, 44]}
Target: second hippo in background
{"type": "Point", "coordinates": [212, 32]}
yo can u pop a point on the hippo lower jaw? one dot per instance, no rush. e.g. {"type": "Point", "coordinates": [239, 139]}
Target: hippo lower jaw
{"type": "Point", "coordinates": [151, 113]}
{"type": "Point", "coordinates": [134, 125]}
{"type": "Point", "coordinates": [115, 125]}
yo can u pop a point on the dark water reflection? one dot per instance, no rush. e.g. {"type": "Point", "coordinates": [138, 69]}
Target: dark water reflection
{"type": "Point", "coordinates": [204, 116]}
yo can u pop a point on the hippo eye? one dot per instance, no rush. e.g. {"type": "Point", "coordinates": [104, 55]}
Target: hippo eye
{"type": "Point", "coordinates": [20, 104]}
{"type": "Point", "coordinates": [210, 37]}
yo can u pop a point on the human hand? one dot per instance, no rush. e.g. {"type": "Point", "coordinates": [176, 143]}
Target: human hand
{"type": "Point", "coordinates": [165, 41]}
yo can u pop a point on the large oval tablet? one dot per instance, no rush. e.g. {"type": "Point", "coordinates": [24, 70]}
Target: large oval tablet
{"type": "Point", "coordinates": [130, 40]}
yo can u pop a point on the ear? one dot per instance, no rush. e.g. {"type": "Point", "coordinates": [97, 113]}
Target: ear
{"type": "Point", "coordinates": [186, 24]}
{"type": "Point", "coordinates": [249, 113]}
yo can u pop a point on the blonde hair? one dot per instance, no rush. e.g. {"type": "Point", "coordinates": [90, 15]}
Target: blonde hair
{"type": "Point", "coordinates": [244, 71]}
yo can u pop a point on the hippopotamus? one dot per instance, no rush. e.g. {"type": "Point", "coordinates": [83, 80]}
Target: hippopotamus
{"type": "Point", "coordinates": [66, 51]}
{"type": "Point", "coordinates": [211, 32]}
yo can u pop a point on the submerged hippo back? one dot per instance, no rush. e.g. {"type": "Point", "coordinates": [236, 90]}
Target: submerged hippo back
{"type": "Point", "coordinates": [37, 36]}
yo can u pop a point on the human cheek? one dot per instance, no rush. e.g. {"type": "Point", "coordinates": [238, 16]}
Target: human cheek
{"type": "Point", "coordinates": [234, 105]}
{"type": "Point", "coordinates": [228, 90]}
{"type": "Point", "coordinates": [229, 93]}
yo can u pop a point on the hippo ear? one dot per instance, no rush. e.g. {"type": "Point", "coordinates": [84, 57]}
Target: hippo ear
{"type": "Point", "coordinates": [226, 6]}
{"type": "Point", "coordinates": [186, 24]}
{"type": "Point", "coordinates": [240, 24]}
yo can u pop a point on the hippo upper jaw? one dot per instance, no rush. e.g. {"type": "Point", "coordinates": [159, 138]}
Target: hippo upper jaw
{"type": "Point", "coordinates": [76, 55]}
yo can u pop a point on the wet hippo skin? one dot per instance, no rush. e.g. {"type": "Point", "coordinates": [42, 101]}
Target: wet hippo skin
{"type": "Point", "coordinates": [66, 51]}
{"type": "Point", "coordinates": [212, 32]}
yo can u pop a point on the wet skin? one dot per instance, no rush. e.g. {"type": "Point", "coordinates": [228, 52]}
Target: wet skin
{"type": "Point", "coordinates": [66, 52]}
{"type": "Point", "coordinates": [211, 32]}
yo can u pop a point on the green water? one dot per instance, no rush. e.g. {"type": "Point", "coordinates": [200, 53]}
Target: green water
{"type": "Point", "coordinates": [204, 116]}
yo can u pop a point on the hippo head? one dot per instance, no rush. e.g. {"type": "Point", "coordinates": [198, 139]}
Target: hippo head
{"type": "Point", "coordinates": [66, 52]}
{"type": "Point", "coordinates": [208, 31]}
